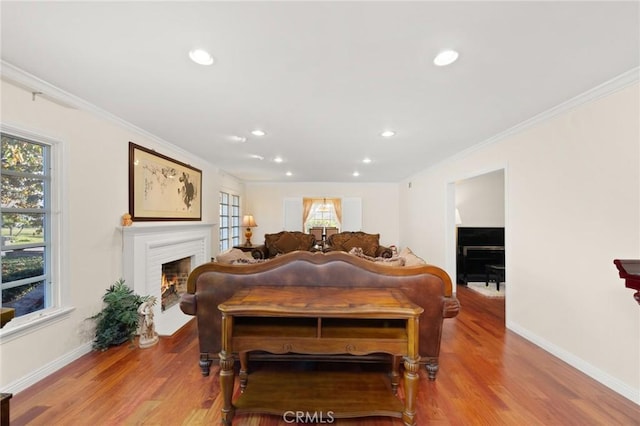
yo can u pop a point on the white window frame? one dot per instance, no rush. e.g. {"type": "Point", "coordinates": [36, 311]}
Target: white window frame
{"type": "Point", "coordinates": [60, 307]}
{"type": "Point", "coordinates": [233, 239]}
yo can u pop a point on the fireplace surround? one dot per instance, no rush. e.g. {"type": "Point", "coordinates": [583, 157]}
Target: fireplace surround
{"type": "Point", "coordinates": [147, 247]}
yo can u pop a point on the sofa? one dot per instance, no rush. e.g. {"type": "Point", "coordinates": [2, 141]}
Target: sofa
{"type": "Point", "coordinates": [284, 242]}
{"type": "Point", "coordinates": [369, 243]}
{"type": "Point", "coordinates": [212, 283]}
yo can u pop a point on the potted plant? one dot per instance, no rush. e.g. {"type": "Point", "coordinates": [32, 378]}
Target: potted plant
{"type": "Point", "coordinates": [118, 320]}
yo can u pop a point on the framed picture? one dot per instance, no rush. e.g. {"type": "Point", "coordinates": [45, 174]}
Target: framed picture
{"type": "Point", "coordinates": [161, 188]}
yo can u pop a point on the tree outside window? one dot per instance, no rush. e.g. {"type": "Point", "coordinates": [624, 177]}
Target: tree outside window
{"type": "Point", "coordinates": [25, 225]}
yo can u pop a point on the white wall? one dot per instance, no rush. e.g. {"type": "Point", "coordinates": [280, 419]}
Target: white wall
{"type": "Point", "coordinates": [480, 200]}
{"type": "Point", "coordinates": [380, 208]}
{"type": "Point", "coordinates": [96, 164]}
{"type": "Point", "coordinates": [572, 185]}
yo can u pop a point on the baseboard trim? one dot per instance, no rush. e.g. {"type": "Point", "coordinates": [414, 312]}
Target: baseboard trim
{"type": "Point", "coordinates": [47, 369]}
{"type": "Point", "coordinates": [578, 363]}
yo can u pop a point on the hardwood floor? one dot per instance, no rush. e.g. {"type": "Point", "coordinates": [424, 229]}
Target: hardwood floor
{"type": "Point", "coordinates": [488, 376]}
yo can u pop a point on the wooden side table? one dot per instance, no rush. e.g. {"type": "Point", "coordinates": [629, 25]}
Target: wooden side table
{"type": "Point", "coordinates": [320, 321]}
{"type": "Point", "coordinates": [245, 248]}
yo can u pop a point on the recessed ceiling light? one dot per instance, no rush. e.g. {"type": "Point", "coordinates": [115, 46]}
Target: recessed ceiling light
{"type": "Point", "coordinates": [278, 159]}
{"type": "Point", "coordinates": [258, 132]}
{"type": "Point", "coordinates": [387, 133]}
{"type": "Point", "coordinates": [356, 174]}
{"type": "Point", "coordinates": [201, 57]}
{"type": "Point", "coordinates": [289, 174]}
{"type": "Point", "coordinates": [366, 160]}
{"type": "Point", "coordinates": [239, 139]}
{"type": "Point", "coordinates": [257, 157]}
{"type": "Point", "coordinates": [445, 57]}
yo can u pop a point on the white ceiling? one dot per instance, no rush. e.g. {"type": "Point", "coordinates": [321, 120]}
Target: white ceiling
{"type": "Point", "coordinates": [323, 79]}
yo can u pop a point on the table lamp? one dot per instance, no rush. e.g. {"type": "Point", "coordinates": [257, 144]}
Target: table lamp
{"type": "Point", "coordinates": [248, 222]}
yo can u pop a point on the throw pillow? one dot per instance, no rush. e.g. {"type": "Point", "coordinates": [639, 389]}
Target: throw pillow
{"type": "Point", "coordinates": [368, 242]}
{"type": "Point", "coordinates": [392, 261]}
{"type": "Point", "coordinates": [286, 243]}
{"type": "Point", "coordinates": [231, 255]}
{"type": "Point", "coordinates": [248, 261]}
{"type": "Point", "coordinates": [410, 258]}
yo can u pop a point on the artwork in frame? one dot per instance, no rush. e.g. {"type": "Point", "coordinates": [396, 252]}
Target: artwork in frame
{"type": "Point", "coordinates": [161, 188]}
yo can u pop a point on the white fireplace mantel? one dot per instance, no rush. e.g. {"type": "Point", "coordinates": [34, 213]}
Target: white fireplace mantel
{"type": "Point", "coordinates": [147, 246]}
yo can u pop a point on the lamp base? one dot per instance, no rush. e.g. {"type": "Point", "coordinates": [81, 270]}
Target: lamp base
{"type": "Point", "coordinates": [247, 236]}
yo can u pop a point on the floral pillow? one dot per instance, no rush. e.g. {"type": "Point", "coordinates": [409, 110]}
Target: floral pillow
{"type": "Point", "coordinates": [386, 261]}
{"type": "Point", "coordinates": [231, 255]}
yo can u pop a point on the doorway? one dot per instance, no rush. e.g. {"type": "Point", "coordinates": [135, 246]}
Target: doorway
{"type": "Point", "coordinates": [478, 241]}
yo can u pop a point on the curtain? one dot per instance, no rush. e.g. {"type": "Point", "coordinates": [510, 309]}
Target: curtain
{"type": "Point", "coordinates": [307, 204]}
{"type": "Point", "coordinates": [310, 205]}
{"type": "Point", "coordinates": [337, 206]}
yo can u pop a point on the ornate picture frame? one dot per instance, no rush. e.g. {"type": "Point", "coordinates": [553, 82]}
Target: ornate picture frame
{"type": "Point", "coordinates": [161, 188]}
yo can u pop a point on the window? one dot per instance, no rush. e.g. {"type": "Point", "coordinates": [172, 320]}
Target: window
{"type": "Point", "coordinates": [229, 220]}
{"type": "Point", "coordinates": [321, 213]}
{"type": "Point", "coordinates": [27, 284]}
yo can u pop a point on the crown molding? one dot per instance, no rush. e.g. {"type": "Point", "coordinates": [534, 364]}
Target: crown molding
{"type": "Point", "coordinates": [38, 87]}
{"type": "Point", "coordinates": [608, 87]}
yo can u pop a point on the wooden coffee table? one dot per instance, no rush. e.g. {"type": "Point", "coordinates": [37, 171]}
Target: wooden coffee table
{"type": "Point", "coordinates": [320, 321]}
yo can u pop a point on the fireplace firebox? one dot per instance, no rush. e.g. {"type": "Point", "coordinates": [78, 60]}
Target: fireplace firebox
{"type": "Point", "coordinates": [174, 281]}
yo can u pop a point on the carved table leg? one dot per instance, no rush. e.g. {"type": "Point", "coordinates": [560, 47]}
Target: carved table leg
{"type": "Point", "coordinates": [226, 371]}
{"type": "Point", "coordinates": [411, 367]}
{"type": "Point", "coordinates": [205, 364]}
{"type": "Point", "coordinates": [395, 373]}
{"type": "Point", "coordinates": [243, 371]}
{"type": "Point", "coordinates": [432, 369]}
{"type": "Point", "coordinates": [411, 379]}
{"type": "Point", "coordinates": [226, 387]}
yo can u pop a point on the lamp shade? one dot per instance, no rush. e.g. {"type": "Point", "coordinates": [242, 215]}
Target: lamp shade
{"type": "Point", "coordinates": [248, 221]}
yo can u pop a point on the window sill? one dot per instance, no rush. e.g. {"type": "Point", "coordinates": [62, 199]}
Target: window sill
{"type": "Point", "coordinates": [24, 326]}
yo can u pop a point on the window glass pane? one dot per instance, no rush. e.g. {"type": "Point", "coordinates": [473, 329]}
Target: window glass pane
{"type": "Point", "coordinates": [25, 298]}
{"type": "Point", "coordinates": [229, 220]}
{"type": "Point", "coordinates": [22, 228]}
{"type": "Point", "coordinates": [22, 264]}
{"type": "Point", "coordinates": [22, 192]}
{"type": "Point", "coordinates": [22, 156]}
{"type": "Point", "coordinates": [26, 273]}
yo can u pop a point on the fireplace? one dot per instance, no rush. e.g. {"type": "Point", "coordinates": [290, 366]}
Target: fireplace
{"type": "Point", "coordinates": [174, 281]}
{"type": "Point", "coordinates": [151, 251]}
